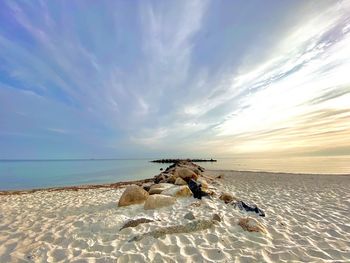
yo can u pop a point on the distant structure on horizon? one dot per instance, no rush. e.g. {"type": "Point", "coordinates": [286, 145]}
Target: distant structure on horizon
{"type": "Point", "coordinates": [179, 160]}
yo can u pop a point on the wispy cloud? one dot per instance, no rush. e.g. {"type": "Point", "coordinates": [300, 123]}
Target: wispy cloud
{"type": "Point", "coordinates": [184, 77]}
{"type": "Point", "coordinates": [58, 130]}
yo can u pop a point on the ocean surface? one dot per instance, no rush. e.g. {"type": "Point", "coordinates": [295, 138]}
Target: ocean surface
{"type": "Point", "coordinates": [29, 174]}
{"type": "Point", "coordinates": [306, 165]}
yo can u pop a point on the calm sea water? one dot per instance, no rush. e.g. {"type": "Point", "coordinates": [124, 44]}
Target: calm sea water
{"type": "Point", "coordinates": [314, 165]}
{"type": "Point", "coordinates": [39, 174]}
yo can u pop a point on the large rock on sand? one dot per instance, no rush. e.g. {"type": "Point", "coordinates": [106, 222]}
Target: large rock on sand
{"type": "Point", "coordinates": [159, 188]}
{"type": "Point", "coordinates": [186, 174]}
{"type": "Point", "coordinates": [203, 183]}
{"type": "Point", "coordinates": [251, 225]}
{"type": "Point", "coordinates": [158, 201]}
{"type": "Point", "coordinates": [171, 179]}
{"type": "Point", "coordinates": [178, 191]}
{"type": "Point", "coordinates": [227, 198]}
{"type": "Point", "coordinates": [162, 178]}
{"type": "Point", "coordinates": [180, 181]}
{"type": "Point", "coordinates": [133, 194]}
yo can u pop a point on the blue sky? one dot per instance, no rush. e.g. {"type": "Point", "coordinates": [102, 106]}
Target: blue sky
{"type": "Point", "coordinates": [97, 79]}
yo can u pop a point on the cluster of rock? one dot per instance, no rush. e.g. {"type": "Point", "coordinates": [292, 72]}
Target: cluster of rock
{"type": "Point", "coordinates": [183, 179]}
{"type": "Point", "coordinates": [182, 169]}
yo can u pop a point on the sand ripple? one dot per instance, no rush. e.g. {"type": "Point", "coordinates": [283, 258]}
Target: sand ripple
{"type": "Point", "coordinates": [307, 220]}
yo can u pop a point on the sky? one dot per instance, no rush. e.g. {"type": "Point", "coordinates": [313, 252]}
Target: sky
{"type": "Point", "coordinates": [142, 79]}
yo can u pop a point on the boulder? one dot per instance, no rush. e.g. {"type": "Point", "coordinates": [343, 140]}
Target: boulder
{"type": "Point", "coordinates": [186, 174]}
{"type": "Point", "coordinates": [159, 188]}
{"type": "Point", "coordinates": [208, 192]}
{"type": "Point", "coordinates": [171, 179]}
{"type": "Point", "coordinates": [227, 198]}
{"type": "Point", "coordinates": [133, 194]}
{"type": "Point", "coordinates": [159, 178]}
{"type": "Point", "coordinates": [180, 181]}
{"type": "Point", "coordinates": [196, 170]}
{"type": "Point", "coordinates": [178, 191]}
{"type": "Point", "coordinates": [162, 177]}
{"type": "Point", "coordinates": [251, 225]}
{"type": "Point", "coordinates": [203, 183]}
{"type": "Point", "coordinates": [170, 170]}
{"type": "Point", "coordinates": [191, 167]}
{"type": "Point", "coordinates": [158, 201]}
{"type": "Point", "coordinates": [147, 186]}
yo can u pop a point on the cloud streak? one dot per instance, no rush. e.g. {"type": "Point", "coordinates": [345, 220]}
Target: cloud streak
{"type": "Point", "coordinates": [117, 79]}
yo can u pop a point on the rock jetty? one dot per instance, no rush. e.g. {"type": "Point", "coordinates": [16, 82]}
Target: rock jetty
{"type": "Point", "coordinates": [182, 160]}
{"type": "Point", "coordinates": [184, 179]}
{"type": "Point", "coordinates": [181, 179]}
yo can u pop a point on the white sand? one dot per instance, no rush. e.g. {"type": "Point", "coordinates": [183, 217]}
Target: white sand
{"type": "Point", "coordinates": [307, 217]}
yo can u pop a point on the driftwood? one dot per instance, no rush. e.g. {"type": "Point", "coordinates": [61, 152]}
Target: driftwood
{"type": "Point", "coordinates": [136, 222]}
{"type": "Point", "coordinates": [193, 226]}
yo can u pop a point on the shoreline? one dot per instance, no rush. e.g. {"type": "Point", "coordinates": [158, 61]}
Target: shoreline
{"type": "Point", "coordinates": [120, 184]}
{"type": "Point", "coordinates": [181, 160]}
{"type": "Point", "coordinates": [76, 187]}
{"type": "Point", "coordinates": [304, 219]}
{"type": "Point", "coordinates": [279, 173]}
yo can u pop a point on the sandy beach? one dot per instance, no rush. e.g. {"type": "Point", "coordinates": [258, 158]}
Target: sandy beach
{"type": "Point", "coordinates": [307, 219]}
{"type": "Point", "coordinates": [174, 131]}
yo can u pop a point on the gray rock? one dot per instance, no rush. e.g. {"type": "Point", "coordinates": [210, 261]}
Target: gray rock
{"type": "Point", "coordinates": [157, 201]}
{"type": "Point", "coordinates": [159, 188]}
{"type": "Point", "coordinates": [133, 194]}
{"type": "Point", "coordinates": [178, 191]}
{"type": "Point", "coordinates": [180, 181]}
{"type": "Point", "coordinates": [147, 186]}
{"type": "Point", "coordinates": [186, 174]}
{"type": "Point", "coordinates": [203, 183]}
{"type": "Point", "coordinates": [227, 198]}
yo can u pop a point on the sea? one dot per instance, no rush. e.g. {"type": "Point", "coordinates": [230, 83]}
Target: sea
{"type": "Point", "coordinates": [31, 174]}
